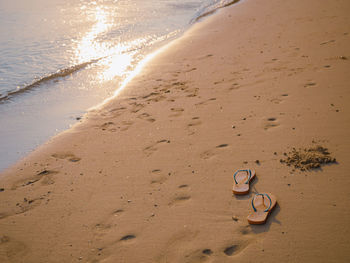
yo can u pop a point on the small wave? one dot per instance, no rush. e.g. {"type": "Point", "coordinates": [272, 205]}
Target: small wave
{"type": "Point", "coordinates": [209, 10]}
{"type": "Point", "coordinates": [59, 74]}
{"type": "Point", "coordinates": [70, 70]}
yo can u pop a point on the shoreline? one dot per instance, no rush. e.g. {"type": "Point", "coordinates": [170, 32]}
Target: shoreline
{"type": "Point", "coordinates": [148, 177]}
{"type": "Point", "coordinates": [24, 124]}
{"type": "Point", "coordinates": [67, 123]}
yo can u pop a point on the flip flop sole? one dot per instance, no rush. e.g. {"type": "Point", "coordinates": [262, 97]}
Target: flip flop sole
{"type": "Point", "coordinates": [243, 188]}
{"type": "Point", "coordinates": [260, 217]}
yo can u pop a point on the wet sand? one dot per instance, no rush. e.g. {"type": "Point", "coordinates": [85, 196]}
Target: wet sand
{"type": "Point", "coordinates": [148, 177]}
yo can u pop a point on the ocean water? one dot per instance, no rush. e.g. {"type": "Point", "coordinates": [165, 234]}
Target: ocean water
{"type": "Point", "coordinates": [58, 58]}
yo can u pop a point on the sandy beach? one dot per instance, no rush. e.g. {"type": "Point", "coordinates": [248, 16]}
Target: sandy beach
{"type": "Point", "coordinates": [148, 176]}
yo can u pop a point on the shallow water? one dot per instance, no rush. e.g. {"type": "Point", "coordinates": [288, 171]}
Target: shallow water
{"type": "Point", "coordinates": [61, 57]}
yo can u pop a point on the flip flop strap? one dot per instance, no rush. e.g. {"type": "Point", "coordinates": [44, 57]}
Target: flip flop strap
{"type": "Point", "coordinates": [267, 209]}
{"type": "Point", "coordinates": [246, 170]}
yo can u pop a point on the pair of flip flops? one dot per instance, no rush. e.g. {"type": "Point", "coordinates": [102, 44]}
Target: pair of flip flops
{"type": "Point", "coordinates": [262, 203]}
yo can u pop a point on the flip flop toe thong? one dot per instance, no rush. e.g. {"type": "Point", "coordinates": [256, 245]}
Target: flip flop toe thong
{"type": "Point", "coordinates": [262, 206]}
{"type": "Point", "coordinates": [241, 180]}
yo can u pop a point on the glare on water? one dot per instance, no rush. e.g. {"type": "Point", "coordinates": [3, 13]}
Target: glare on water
{"type": "Point", "coordinates": [114, 59]}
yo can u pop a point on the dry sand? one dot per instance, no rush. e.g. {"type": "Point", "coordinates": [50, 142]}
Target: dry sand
{"type": "Point", "coordinates": [148, 178]}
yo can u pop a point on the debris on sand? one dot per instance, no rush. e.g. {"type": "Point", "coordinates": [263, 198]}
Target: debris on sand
{"type": "Point", "coordinates": [306, 159]}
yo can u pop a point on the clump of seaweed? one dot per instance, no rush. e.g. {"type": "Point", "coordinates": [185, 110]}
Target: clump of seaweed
{"type": "Point", "coordinates": [307, 159]}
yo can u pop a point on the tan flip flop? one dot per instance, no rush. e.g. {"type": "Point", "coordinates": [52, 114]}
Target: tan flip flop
{"type": "Point", "coordinates": [241, 180]}
{"type": "Point", "coordinates": [262, 205]}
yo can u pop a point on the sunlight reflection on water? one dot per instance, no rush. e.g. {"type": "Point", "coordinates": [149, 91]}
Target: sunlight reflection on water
{"type": "Point", "coordinates": [113, 58]}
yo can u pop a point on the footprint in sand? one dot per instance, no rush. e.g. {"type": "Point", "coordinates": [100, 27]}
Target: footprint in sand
{"type": "Point", "coordinates": [176, 112]}
{"type": "Point", "coordinates": [27, 205]}
{"type": "Point", "coordinates": [147, 117]}
{"type": "Point", "coordinates": [115, 112]}
{"type": "Point", "coordinates": [152, 94]}
{"type": "Point", "coordinates": [219, 81]}
{"type": "Point", "coordinates": [69, 156]}
{"type": "Point", "coordinates": [194, 122]}
{"type": "Point", "coordinates": [245, 230]}
{"type": "Point", "coordinates": [44, 176]}
{"type": "Point", "coordinates": [327, 42]}
{"type": "Point", "coordinates": [165, 90]}
{"type": "Point", "coordinates": [276, 100]}
{"type": "Point", "coordinates": [179, 85]}
{"type": "Point", "coordinates": [108, 126]}
{"type": "Point", "coordinates": [179, 199]}
{"type": "Point", "coordinates": [236, 248]}
{"type": "Point", "coordinates": [110, 221]}
{"type": "Point", "coordinates": [199, 255]}
{"type": "Point", "coordinates": [103, 228]}
{"type": "Point", "coordinates": [117, 212]}
{"type": "Point", "coordinates": [189, 70]}
{"type": "Point", "coordinates": [126, 125]}
{"type": "Point", "coordinates": [207, 154]}
{"type": "Point", "coordinates": [234, 86]}
{"type": "Point", "coordinates": [177, 249]}
{"type": "Point", "coordinates": [210, 153]}
{"type": "Point", "coordinates": [310, 84]}
{"type": "Point", "coordinates": [156, 98]}
{"type": "Point", "coordinates": [191, 92]}
{"type": "Point", "coordinates": [158, 177]}
{"type": "Point", "coordinates": [149, 150]}
{"type": "Point", "coordinates": [181, 196]}
{"type": "Point", "coordinates": [128, 237]}
{"type": "Point", "coordinates": [222, 145]}
{"type": "Point", "coordinates": [136, 107]}
{"type": "Point", "coordinates": [205, 102]}
{"type": "Point", "coordinates": [270, 123]}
